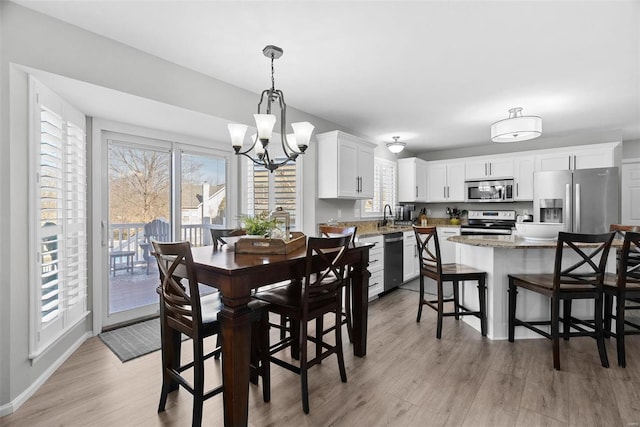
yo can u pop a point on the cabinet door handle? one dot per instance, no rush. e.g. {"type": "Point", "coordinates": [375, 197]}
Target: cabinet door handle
{"type": "Point", "coordinates": [490, 169]}
{"type": "Point", "coordinates": [569, 162]}
{"type": "Point", "coordinates": [485, 169]}
{"type": "Point", "coordinates": [416, 191]}
{"type": "Point", "coordinates": [517, 190]}
{"type": "Point", "coordinates": [448, 195]}
{"type": "Point", "coordinates": [444, 192]}
{"type": "Point", "coordinates": [575, 164]}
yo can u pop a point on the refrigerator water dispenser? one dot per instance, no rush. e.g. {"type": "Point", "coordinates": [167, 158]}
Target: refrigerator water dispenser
{"type": "Point", "coordinates": [551, 210]}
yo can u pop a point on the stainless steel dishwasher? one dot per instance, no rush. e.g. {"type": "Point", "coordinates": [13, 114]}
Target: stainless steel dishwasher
{"type": "Point", "coordinates": [393, 250]}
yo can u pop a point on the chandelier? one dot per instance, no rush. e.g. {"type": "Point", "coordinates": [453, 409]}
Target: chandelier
{"type": "Point", "coordinates": [293, 144]}
{"type": "Point", "coordinates": [516, 128]}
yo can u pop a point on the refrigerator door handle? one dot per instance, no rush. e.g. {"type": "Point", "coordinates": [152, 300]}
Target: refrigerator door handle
{"type": "Point", "coordinates": [577, 208]}
{"type": "Point", "coordinates": [567, 207]}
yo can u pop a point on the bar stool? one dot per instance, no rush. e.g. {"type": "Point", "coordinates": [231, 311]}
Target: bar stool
{"type": "Point", "coordinates": [580, 279]}
{"type": "Point", "coordinates": [431, 266]}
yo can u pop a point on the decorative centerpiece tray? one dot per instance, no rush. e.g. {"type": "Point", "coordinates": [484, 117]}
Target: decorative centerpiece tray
{"type": "Point", "coordinates": [267, 245]}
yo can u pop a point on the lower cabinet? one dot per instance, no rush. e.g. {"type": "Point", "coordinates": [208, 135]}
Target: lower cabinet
{"type": "Point", "coordinates": [376, 265]}
{"type": "Point", "coordinates": [410, 261]}
{"type": "Point", "coordinates": [447, 248]}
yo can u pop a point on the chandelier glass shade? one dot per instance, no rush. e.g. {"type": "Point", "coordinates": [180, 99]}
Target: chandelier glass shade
{"type": "Point", "coordinates": [516, 128]}
{"type": "Point", "coordinates": [293, 144]}
{"type": "Point", "coordinates": [396, 146]}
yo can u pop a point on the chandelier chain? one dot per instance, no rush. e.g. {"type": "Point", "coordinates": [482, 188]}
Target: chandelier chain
{"type": "Point", "coordinates": [273, 80]}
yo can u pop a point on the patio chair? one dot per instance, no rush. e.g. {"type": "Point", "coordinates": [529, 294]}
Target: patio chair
{"type": "Point", "coordinates": [158, 230]}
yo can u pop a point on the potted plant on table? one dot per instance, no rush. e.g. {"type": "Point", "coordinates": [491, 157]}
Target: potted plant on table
{"type": "Point", "coordinates": [455, 214]}
{"type": "Point", "coordinates": [258, 225]}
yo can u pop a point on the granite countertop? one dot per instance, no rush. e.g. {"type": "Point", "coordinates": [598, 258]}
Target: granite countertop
{"type": "Point", "coordinates": [372, 228]}
{"type": "Point", "coordinates": [513, 242]}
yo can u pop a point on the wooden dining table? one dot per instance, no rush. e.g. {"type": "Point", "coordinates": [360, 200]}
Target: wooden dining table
{"type": "Point", "coordinates": [235, 276]}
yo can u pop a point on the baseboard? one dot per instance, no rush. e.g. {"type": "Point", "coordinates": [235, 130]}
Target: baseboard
{"type": "Point", "coordinates": [13, 406]}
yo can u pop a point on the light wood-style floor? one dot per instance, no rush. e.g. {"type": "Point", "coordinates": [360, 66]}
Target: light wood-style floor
{"type": "Point", "coordinates": [408, 378]}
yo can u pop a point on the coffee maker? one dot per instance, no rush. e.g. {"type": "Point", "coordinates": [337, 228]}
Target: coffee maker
{"type": "Point", "coordinates": [405, 214]}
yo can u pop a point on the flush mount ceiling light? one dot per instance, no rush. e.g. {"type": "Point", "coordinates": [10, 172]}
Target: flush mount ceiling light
{"type": "Point", "coordinates": [293, 144]}
{"type": "Point", "coordinates": [516, 128]}
{"type": "Point", "coordinates": [396, 146]}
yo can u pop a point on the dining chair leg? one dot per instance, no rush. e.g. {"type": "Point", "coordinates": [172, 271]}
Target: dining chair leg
{"type": "Point", "coordinates": [339, 352]}
{"type": "Point", "coordinates": [198, 383]}
{"type": "Point", "coordinates": [440, 310]}
{"type": "Point", "coordinates": [513, 293]}
{"type": "Point", "coordinates": [295, 335]}
{"type": "Point", "coordinates": [320, 334]}
{"type": "Point", "coordinates": [608, 313]}
{"type": "Point", "coordinates": [604, 360]}
{"type": "Point", "coordinates": [555, 331]}
{"type": "Point", "coordinates": [482, 295]}
{"type": "Point", "coordinates": [420, 298]}
{"type": "Point", "coordinates": [265, 363]}
{"type": "Point", "coordinates": [566, 319]}
{"type": "Point", "coordinates": [456, 299]}
{"type": "Point", "coordinates": [620, 302]}
{"type": "Point", "coordinates": [304, 384]}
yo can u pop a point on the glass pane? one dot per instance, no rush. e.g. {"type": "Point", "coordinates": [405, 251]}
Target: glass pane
{"type": "Point", "coordinates": [204, 196]}
{"type": "Point", "coordinates": [139, 210]}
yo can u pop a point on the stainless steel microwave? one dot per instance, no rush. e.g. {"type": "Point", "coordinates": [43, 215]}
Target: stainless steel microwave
{"type": "Point", "coordinates": [489, 191]}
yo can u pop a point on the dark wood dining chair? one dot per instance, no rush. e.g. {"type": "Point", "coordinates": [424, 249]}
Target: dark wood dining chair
{"type": "Point", "coordinates": [184, 311]}
{"type": "Point", "coordinates": [431, 266]}
{"type": "Point", "coordinates": [319, 293]}
{"type": "Point", "coordinates": [218, 235]}
{"type": "Point", "coordinates": [333, 231]}
{"type": "Point", "coordinates": [625, 287]}
{"type": "Point", "coordinates": [578, 274]}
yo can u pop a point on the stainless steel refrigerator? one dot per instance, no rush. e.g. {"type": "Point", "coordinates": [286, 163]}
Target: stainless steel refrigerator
{"type": "Point", "coordinates": [586, 200]}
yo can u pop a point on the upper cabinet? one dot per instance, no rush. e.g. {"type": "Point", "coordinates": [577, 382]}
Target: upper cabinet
{"type": "Point", "coordinates": [445, 181]}
{"type": "Point", "coordinates": [345, 166]}
{"type": "Point", "coordinates": [412, 180]}
{"type": "Point", "coordinates": [579, 157]}
{"type": "Point", "coordinates": [523, 178]}
{"type": "Point", "coordinates": [493, 168]}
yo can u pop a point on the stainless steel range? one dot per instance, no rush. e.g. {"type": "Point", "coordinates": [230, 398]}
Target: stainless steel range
{"type": "Point", "coordinates": [489, 222]}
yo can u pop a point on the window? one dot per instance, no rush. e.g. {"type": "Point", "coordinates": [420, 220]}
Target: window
{"type": "Point", "coordinates": [267, 191]}
{"type": "Point", "coordinates": [384, 188]}
{"type": "Point", "coordinates": [58, 190]}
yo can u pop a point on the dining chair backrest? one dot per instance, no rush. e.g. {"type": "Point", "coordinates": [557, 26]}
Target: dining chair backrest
{"type": "Point", "coordinates": [591, 263]}
{"type": "Point", "coordinates": [181, 305]}
{"type": "Point", "coordinates": [334, 230]}
{"type": "Point", "coordinates": [218, 236]}
{"type": "Point", "coordinates": [428, 249]}
{"type": "Point", "coordinates": [628, 260]}
{"type": "Point", "coordinates": [324, 276]}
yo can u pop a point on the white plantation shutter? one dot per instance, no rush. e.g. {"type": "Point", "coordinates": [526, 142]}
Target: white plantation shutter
{"type": "Point", "coordinates": [59, 214]}
{"type": "Point", "coordinates": [267, 190]}
{"type": "Point", "coordinates": [384, 190]}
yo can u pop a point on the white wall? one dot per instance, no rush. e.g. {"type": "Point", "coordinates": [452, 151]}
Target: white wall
{"type": "Point", "coordinates": [30, 39]}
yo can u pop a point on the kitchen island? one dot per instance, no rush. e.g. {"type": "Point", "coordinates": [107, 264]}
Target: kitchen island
{"type": "Point", "coordinates": [499, 256]}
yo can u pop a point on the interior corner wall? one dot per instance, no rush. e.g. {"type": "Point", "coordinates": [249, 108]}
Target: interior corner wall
{"type": "Point", "coordinates": [35, 40]}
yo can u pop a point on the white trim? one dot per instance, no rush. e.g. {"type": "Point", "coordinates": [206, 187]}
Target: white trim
{"type": "Point", "coordinates": [16, 403]}
{"type": "Point", "coordinates": [632, 160]}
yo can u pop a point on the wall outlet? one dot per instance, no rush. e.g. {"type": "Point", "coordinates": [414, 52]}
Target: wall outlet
{"type": "Point", "coordinates": [356, 213]}
{"type": "Point", "coordinates": [339, 213]}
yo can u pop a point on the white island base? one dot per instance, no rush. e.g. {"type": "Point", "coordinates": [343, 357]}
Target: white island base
{"type": "Point", "coordinates": [500, 256]}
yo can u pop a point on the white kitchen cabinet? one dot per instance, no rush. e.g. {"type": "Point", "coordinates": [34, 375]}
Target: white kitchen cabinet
{"type": "Point", "coordinates": [630, 193]}
{"type": "Point", "coordinates": [523, 179]}
{"type": "Point", "coordinates": [345, 166]}
{"type": "Point", "coordinates": [410, 261]}
{"type": "Point", "coordinates": [445, 181]}
{"type": "Point", "coordinates": [493, 168]}
{"type": "Point", "coordinates": [578, 157]}
{"type": "Point", "coordinates": [447, 248]}
{"type": "Point", "coordinates": [412, 180]}
{"type": "Point", "coordinates": [376, 265]}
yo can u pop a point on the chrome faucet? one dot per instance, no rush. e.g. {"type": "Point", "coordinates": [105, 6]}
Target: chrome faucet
{"type": "Point", "coordinates": [384, 214]}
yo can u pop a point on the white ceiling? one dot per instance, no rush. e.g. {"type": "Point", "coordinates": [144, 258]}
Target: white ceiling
{"type": "Point", "coordinates": [437, 73]}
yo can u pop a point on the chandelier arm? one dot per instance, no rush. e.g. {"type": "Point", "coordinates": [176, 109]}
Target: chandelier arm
{"type": "Point", "coordinates": [257, 162]}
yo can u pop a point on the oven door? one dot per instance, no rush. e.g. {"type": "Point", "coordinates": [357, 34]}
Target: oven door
{"type": "Point", "coordinates": [478, 231]}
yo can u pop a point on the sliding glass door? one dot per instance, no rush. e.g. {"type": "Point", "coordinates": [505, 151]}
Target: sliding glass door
{"type": "Point", "coordinates": [157, 190]}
